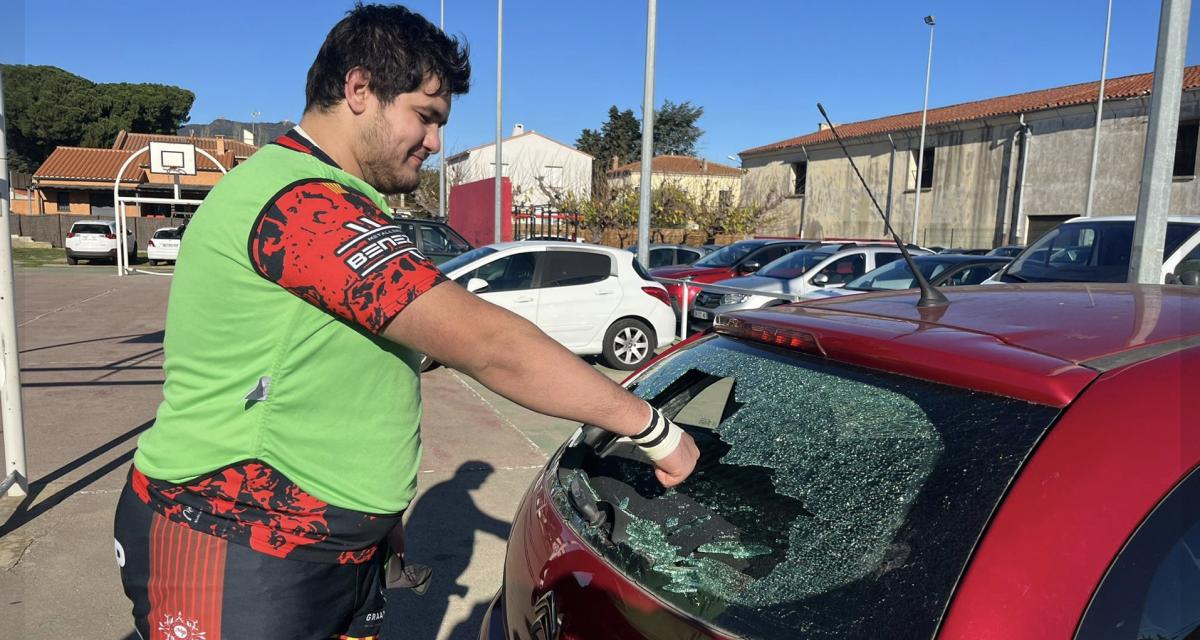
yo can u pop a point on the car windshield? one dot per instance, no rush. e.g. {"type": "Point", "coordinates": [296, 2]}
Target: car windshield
{"type": "Point", "coordinates": [896, 275]}
{"type": "Point", "coordinates": [793, 265]}
{"type": "Point", "coordinates": [829, 501]}
{"type": "Point", "coordinates": [1092, 251]}
{"type": "Point", "coordinates": [727, 256]}
{"type": "Point", "coordinates": [464, 259]}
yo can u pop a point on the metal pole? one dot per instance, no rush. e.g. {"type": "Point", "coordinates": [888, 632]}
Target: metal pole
{"type": "Point", "coordinates": [891, 181]}
{"type": "Point", "coordinates": [647, 138]}
{"type": "Point", "coordinates": [10, 388]}
{"type": "Point", "coordinates": [441, 135]}
{"type": "Point", "coordinates": [1091, 190]}
{"type": "Point", "coordinates": [924, 112]}
{"type": "Point", "coordinates": [1018, 210]}
{"type": "Point", "coordinates": [1154, 199]}
{"type": "Point", "coordinates": [499, 100]}
{"type": "Point", "coordinates": [804, 198]}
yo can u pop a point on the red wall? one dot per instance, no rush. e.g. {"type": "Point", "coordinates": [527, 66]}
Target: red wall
{"type": "Point", "coordinates": [473, 212]}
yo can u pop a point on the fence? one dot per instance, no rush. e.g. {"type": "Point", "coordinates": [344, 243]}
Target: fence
{"type": "Point", "coordinates": [53, 228]}
{"type": "Point", "coordinates": [544, 222]}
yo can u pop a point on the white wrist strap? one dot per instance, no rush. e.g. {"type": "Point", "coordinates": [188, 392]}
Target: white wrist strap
{"type": "Point", "coordinates": [659, 439]}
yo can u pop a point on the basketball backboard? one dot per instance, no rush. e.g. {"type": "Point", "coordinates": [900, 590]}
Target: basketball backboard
{"type": "Point", "coordinates": [173, 158]}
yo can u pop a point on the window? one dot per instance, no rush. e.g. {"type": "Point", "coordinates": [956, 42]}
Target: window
{"type": "Point", "coordinates": [662, 257]}
{"type": "Point", "coordinates": [831, 499]}
{"type": "Point", "coordinates": [1152, 589]}
{"type": "Point", "coordinates": [503, 169]}
{"type": "Point", "coordinates": [799, 177]}
{"type": "Point", "coordinates": [885, 257]}
{"type": "Point", "coordinates": [510, 273]}
{"type": "Point", "coordinates": [725, 198]}
{"type": "Point", "coordinates": [572, 268]}
{"type": "Point", "coordinates": [1092, 251]}
{"type": "Point", "coordinates": [926, 178]}
{"type": "Point", "coordinates": [844, 270]}
{"type": "Point", "coordinates": [1185, 149]}
{"type": "Point", "coordinates": [772, 252]}
{"type": "Point", "coordinates": [972, 275]}
{"type": "Point", "coordinates": [101, 204]}
{"type": "Point", "coordinates": [552, 177]}
{"type": "Point", "coordinates": [64, 201]}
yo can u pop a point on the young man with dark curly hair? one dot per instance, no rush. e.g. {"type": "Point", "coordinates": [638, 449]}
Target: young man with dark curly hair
{"type": "Point", "coordinates": [262, 501]}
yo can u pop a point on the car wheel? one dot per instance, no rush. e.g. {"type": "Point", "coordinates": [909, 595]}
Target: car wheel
{"type": "Point", "coordinates": [72, 260]}
{"type": "Point", "coordinates": [628, 344]}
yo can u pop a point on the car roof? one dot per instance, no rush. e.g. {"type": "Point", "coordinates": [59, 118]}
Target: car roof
{"type": "Point", "coordinates": [1191, 219]}
{"type": "Point", "coordinates": [1039, 342]}
{"type": "Point", "coordinates": [958, 258]}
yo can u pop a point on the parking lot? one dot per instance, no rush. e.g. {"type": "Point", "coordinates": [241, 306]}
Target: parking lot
{"type": "Point", "coordinates": [91, 357]}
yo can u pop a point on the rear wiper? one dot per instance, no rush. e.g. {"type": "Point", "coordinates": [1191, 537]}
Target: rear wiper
{"type": "Point", "coordinates": [597, 513]}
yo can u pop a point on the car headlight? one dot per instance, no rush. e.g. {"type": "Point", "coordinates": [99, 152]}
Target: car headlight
{"type": "Point", "coordinates": [734, 298]}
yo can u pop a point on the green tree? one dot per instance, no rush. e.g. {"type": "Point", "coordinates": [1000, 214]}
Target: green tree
{"type": "Point", "coordinates": [675, 133]}
{"type": "Point", "coordinates": [48, 107]}
{"type": "Point", "coordinates": [675, 129]}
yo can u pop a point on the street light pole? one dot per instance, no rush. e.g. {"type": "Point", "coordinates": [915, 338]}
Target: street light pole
{"type": "Point", "coordinates": [1091, 191]}
{"type": "Point", "coordinates": [643, 235]}
{"type": "Point", "coordinates": [924, 117]}
{"type": "Point", "coordinates": [499, 101]}
{"type": "Point", "coordinates": [442, 134]}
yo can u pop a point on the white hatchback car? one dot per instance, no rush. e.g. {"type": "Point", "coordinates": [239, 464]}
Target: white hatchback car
{"type": "Point", "coordinates": [163, 246]}
{"type": "Point", "coordinates": [95, 240]}
{"type": "Point", "coordinates": [594, 300]}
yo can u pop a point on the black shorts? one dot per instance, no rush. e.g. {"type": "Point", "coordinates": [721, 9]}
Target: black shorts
{"type": "Point", "coordinates": [189, 585]}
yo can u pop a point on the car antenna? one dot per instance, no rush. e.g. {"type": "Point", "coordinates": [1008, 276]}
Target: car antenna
{"type": "Point", "coordinates": [930, 296]}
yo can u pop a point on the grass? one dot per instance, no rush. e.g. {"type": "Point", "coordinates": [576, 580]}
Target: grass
{"type": "Point", "coordinates": [38, 257]}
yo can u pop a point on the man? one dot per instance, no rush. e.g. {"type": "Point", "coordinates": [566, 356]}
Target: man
{"type": "Point", "coordinates": [286, 447]}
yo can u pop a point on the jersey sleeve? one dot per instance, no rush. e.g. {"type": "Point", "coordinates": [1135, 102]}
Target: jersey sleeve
{"type": "Point", "coordinates": [333, 247]}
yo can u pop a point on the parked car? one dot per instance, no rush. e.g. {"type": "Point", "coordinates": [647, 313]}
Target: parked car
{"type": "Point", "coordinates": [870, 469]}
{"type": "Point", "coordinates": [737, 259]}
{"type": "Point", "coordinates": [594, 300]}
{"type": "Point", "coordinates": [799, 273]}
{"type": "Point", "coordinates": [1098, 249]}
{"type": "Point", "coordinates": [1007, 251]}
{"type": "Point", "coordinates": [96, 240]}
{"type": "Point", "coordinates": [667, 255]}
{"type": "Point", "coordinates": [163, 246]}
{"type": "Point", "coordinates": [437, 240]}
{"type": "Point", "coordinates": [963, 251]}
{"type": "Point", "coordinates": [941, 270]}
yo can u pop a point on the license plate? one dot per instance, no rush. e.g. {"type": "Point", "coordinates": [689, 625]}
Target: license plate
{"type": "Point", "coordinates": [700, 315]}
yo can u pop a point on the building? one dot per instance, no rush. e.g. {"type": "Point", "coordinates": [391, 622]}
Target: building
{"type": "Point", "coordinates": [79, 180]}
{"type": "Point", "coordinates": [708, 182]}
{"type": "Point", "coordinates": [538, 167]}
{"type": "Point", "coordinates": [996, 171]}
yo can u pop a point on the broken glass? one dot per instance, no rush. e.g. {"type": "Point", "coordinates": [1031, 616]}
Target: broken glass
{"type": "Point", "coordinates": [829, 501]}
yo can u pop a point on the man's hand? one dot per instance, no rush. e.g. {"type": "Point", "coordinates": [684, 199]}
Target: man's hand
{"type": "Point", "coordinates": [679, 464]}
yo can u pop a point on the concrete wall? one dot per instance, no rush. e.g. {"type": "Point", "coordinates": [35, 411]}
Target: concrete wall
{"type": "Point", "coordinates": [54, 228]}
{"type": "Point", "coordinates": [528, 157]}
{"type": "Point", "coordinates": [971, 201]}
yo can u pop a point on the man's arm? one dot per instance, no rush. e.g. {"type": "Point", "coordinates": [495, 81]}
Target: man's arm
{"type": "Point", "coordinates": [512, 357]}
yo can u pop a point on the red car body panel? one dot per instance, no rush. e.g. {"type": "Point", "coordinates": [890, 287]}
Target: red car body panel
{"type": "Point", "coordinates": [696, 274]}
{"type": "Point", "coordinates": [1097, 475]}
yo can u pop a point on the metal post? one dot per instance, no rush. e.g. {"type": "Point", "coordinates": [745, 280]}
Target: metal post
{"type": "Point", "coordinates": [887, 214]}
{"type": "Point", "coordinates": [1154, 199]}
{"type": "Point", "coordinates": [804, 198]}
{"type": "Point", "coordinates": [499, 100]}
{"type": "Point", "coordinates": [1091, 190]}
{"type": "Point", "coordinates": [683, 312]}
{"type": "Point", "coordinates": [924, 112]}
{"type": "Point", "coordinates": [15, 473]}
{"type": "Point", "coordinates": [643, 241]}
{"type": "Point", "coordinates": [1018, 210]}
{"type": "Point", "coordinates": [441, 135]}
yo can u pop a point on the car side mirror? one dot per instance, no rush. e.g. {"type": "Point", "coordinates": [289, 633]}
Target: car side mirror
{"type": "Point", "coordinates": [477, 285]}
{"type": "Point", "coordinates": [749, 267]}
{"type": "Point", "coordinates": [820, 280]}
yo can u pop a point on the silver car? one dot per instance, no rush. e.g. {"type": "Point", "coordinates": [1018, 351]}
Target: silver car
{"type": "Point", "coordinates": [798, 273]}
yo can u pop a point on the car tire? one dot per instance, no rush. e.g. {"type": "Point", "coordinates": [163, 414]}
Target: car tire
{"type": "Point", "coordinates": [72, 260]}
{"type": "Point", "coordinates": [628, 344]}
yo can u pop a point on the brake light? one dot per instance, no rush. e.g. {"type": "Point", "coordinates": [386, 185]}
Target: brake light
{"type": "Point", "coordinates": [778, 336]}
{"type": "Point", "coordinates": [658, 294]}
{"type": "Point", "coordinates": [149, 243]}
{"type": "Point", "coordinates": [110, 236]}
{"type": "Point", "coordinates": [71, 234]}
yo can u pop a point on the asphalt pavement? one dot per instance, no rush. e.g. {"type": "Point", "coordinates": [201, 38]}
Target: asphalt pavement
{"type": "Point", "coordinates": [91, 357]}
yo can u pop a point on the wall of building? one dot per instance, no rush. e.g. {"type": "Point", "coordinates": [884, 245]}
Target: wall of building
{"type": "Point", "coordinates": [528, 158]}
{"type": "Point", "coordinates": [974, 177]}
{"type": "Point", "coordinates": [706, 188]}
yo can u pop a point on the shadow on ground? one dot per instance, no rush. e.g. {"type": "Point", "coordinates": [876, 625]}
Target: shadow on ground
{"type": "Point", "coordinates": [441, 533]}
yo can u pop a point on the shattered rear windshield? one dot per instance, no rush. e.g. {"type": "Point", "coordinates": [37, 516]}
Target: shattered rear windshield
{"type": "Point", "coordinates": [829, 501]}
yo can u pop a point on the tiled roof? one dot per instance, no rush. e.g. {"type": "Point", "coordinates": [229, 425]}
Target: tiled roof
{"type": "Point", "coordinates": [680, 164]}
{"type": "Point", "coordinates": [1076, 94]}
{"type": "Point", "coordinates": [233, 148]}
{"type": "Point", "coordinates": [80, 163]}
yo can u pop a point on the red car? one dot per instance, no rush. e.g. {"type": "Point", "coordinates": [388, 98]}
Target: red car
{"type": "Point", "coordinates": [737, 259]}
{"type": "Point", "coordinates": [1020, 464]}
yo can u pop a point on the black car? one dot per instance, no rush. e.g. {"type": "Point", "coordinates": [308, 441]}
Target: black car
{"type": "Point", "coordinates": [437, 240]}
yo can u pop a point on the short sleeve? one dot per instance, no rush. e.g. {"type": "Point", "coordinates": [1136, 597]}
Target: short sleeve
{"type": "Point", "coordinates": [333, 247]}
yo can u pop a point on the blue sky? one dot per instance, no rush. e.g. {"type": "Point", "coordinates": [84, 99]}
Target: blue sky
{"type": "Point", "coordinates": [756, 66]}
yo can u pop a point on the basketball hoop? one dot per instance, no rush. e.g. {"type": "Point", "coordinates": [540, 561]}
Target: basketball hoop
{"type": "Point", "coordinates": [173, 158]}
